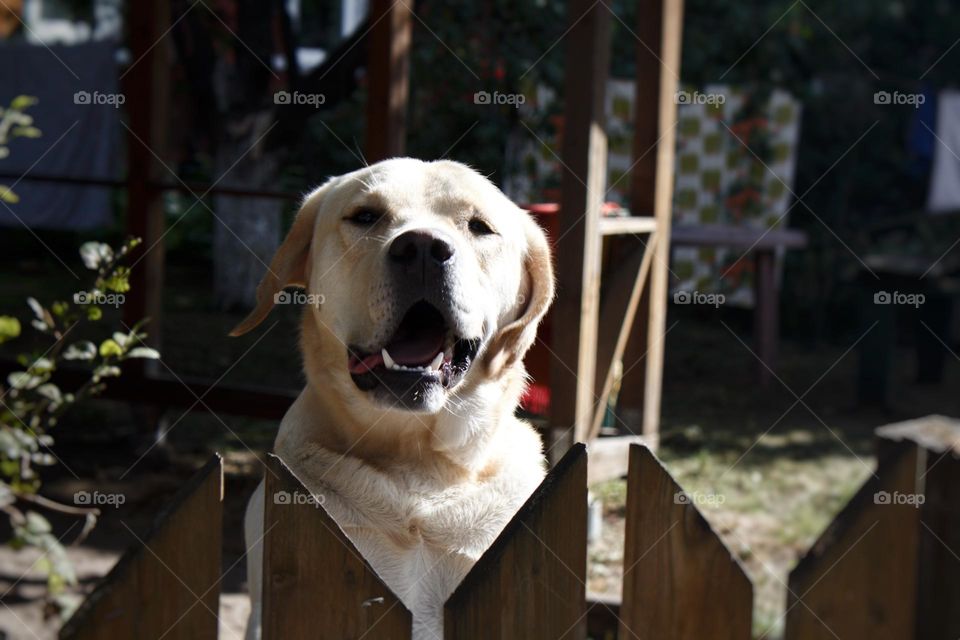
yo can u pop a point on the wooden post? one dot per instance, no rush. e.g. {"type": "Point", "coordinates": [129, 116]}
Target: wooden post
{"type": "Point", "coordinates": [169, 586]}
{"type": "Point", "coordinates": [315, 582]}
{"type": "Point", "coordinates": [531, 583]}
{"type": "Point", "coordinates": [388, 78]}
{"type": "Point", "coordinates": [146, 87]}
{"type": "Point", "coordinates": [659, 27]}
{"type": "Point", "coordinates": [887, 567]}
{"type": "Point", "coordinates": [576, 311]}
{"type": "Point", "coordinates": [766, 315]}
{"type": "Point", "coordinates": [679, 580]}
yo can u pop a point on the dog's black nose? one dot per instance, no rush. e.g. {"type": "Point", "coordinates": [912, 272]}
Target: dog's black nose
{"type": "Point", "coordinates": [418, 249]}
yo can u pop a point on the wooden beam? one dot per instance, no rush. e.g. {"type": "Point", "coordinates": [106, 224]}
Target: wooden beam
{"type": "Point", "coordinates": [576, 312]}
{"type": "Point", "coordinates": [168, 583]}
{"type": "Point", "coordinates": [617, 316]}
{"type": "Point", "coordinates": [679, 580]}
{"type": "Point", "coordinates": [147, 89]}
{"type": "Point", "coordinates": [938, 572]}
{"type": "Point", "coordinates": [315, 582]}
{"type": "Point", "coordinates": [659, 29]}
{"type": "Point", "coordinates": [388, 73]}
{"type": "Point", "coordinates": [531, 583]}
{"type": "Point", "coordinates": [887, 566]}
{"type": "Point", "coordinates": [620, 225]}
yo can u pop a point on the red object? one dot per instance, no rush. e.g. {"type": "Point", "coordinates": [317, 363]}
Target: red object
{"type": "Point", "coordinates": [536, 400]}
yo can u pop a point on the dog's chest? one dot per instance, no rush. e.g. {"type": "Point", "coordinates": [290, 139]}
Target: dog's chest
{"type": "Point", "coordinates": [422, 542]}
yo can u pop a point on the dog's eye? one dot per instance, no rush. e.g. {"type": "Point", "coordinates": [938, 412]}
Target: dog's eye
{"type": "Point", "coordinates": [480, 228]}
{"type": "Point", "coordinates": [365, 217]}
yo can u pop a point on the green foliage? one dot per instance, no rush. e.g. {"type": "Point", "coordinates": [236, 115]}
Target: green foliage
{"type": "Point", "coordinates": [32, 403]}
{"type": "Point", "coordinates": [15, 123]}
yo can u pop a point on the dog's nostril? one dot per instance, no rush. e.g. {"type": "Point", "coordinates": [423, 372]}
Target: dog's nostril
{"type": "Point", "coordinates": [413, 246]}
{"type": "Point", "coordinates": [404, 249]}
{"type": "Point", "coordinates": [440, 250]}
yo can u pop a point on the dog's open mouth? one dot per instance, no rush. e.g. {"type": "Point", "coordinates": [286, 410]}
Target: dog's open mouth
{"type": "Point", "coordinates": [421, 351]}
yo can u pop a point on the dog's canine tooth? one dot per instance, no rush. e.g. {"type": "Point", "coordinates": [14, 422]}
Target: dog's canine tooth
{"type": "Point", "coordinates": [387, 360]}
{"type": "Point", "coordinates": [437, 362]}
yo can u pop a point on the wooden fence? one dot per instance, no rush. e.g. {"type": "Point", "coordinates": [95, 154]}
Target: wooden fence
{"type": "Point", "coordinates": [886, 568]}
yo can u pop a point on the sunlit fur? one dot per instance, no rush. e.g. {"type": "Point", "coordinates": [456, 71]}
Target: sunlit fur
{"type": "Point", "coordinates": [421, 494]}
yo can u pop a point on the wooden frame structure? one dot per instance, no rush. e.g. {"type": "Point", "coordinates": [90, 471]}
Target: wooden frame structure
{"type": "Point", "coordinates": [603, 318]}
{"type": "Point", "coordinates": [634, 295]}
{"type": "Point", "coordinates": [680, 579]}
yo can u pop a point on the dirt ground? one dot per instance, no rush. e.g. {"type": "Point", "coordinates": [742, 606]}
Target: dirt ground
{"type": "Point", "coordinates": [783, 468]}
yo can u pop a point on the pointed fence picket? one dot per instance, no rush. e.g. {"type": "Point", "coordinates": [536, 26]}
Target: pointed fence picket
{"type": "Point", "coordinates": [886, 567]}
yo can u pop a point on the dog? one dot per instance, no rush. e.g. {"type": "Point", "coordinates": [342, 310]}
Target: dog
{"type": "Point", "coordinates": [429, 285]}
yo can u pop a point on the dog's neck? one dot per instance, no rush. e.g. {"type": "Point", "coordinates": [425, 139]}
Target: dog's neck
{"type": "Point", "coordinates": [450, 442]}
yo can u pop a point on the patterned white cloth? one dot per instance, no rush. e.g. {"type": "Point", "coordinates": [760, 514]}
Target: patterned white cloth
{"type": "Point", "coordinates": [945, 178]}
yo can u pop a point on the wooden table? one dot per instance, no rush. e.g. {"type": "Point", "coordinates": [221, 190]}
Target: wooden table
{"type": "Point", "coordinates": [763, 244]}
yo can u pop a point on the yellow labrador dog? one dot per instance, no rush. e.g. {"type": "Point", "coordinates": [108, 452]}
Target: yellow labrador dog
{"type": "Point", "coordinates": [432, 285]}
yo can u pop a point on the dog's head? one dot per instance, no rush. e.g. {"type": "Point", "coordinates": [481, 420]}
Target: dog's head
{"type": "Point", "coordinates": [427, 279]}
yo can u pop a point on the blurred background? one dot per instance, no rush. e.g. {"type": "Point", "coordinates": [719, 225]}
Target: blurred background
{"type": "Point", "coordinates": [817, 140]}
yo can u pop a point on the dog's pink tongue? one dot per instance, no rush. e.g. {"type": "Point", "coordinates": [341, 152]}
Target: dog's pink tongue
{"type": "Point", "coordinates": [417, 349]}
{"type": "Point", "coordinates": [358, 365]}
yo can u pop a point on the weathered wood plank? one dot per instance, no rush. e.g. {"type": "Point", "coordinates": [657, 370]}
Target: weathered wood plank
{"type": "Point", "coordinates": [859, 580]}
{"type": "Point", "coordinates": [680, 581]}
{"type": "Point", "coordinates": [531, 582]}
{"type": "Point", "coordinates": [938, 572]}
{"type": "Point", "coordinates": [575, 314]}
{"type": "Point", "coordinates": [389, 78]}
{"type": "Point", "coordinates": [168, 586]}
{"type": "Point", "coordinates": [315, 582]}
{"type": "Point", "coordinates": [659, 31]}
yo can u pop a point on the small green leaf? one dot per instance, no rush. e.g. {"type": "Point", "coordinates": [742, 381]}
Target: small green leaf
{"type": "Point", "coordinates": [27, 132]}
{"type": "Point", "coordinates": [109, 348]}
{"type": "Point", "coordinates": [94, 313]}
{"type": "Point", "coordinates": [22, 102]}
{"type": "Point", "coordinates": [9, 328]}
{"type": "Point", "coordinates": [7, 195]}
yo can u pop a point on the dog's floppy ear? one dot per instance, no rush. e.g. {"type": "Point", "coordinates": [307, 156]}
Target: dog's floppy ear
{"type": "Point", "coordinates": [289, 265]}
{"type": "Point", "coordinates": [511, 343]}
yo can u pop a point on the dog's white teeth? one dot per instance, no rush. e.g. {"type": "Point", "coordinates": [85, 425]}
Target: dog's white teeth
{"type": "Point", "coordinates": [437, 361]}
{"type": "Point", "coordinates": [387, 360]}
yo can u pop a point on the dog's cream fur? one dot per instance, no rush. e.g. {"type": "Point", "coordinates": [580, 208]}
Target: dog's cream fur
{"type": "Point", "coordinates": [421, 494]}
